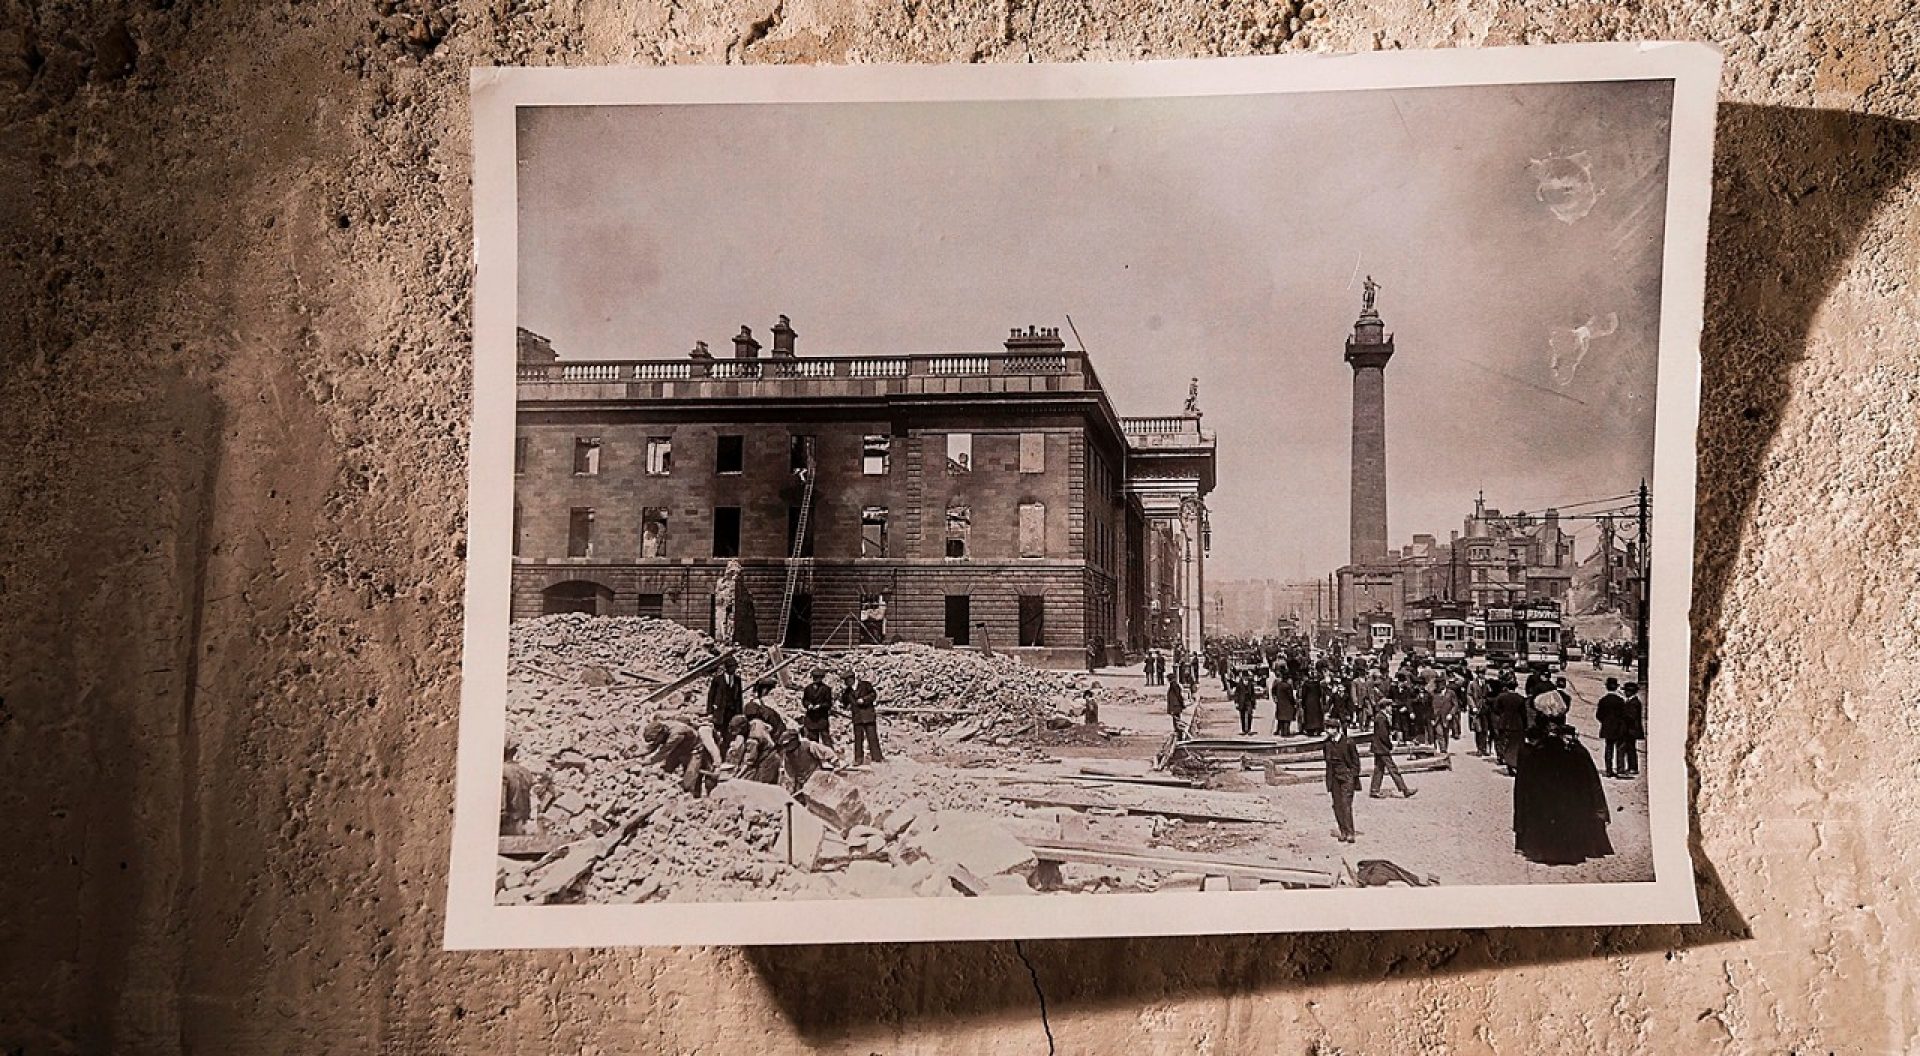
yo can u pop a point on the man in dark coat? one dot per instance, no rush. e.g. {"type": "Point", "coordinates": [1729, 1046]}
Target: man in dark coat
{"type": "Point", "coordinates": [1611, 713]}
{"type": "Point", "coordinates": [1313, 706]}
{"type": "Point", "coordinates": [1243, 703]}
{"type": "Point", "coordinates": [1560, 813]}
{"type": "Point", "coordinates": [724, 701]}
{"type": "Point", "coordinates": [1343, 779]}
{"type": "Point", "coordinates": [1636, 731]}
{"type": "Point", "coordinates": [757, 707]}
{"type": "Point", "coordinates": [816, 714]}
{"type": "Point", "coordinates": [1383, 764]}
{"type": "Point", "coordinates": [1176, 709]}
{"type": "Point", "coordinates": [863, 705]}
{"type": "Point", "coordinates": [1285, 707]}
{"type": "Point", "coordinates": [1509, 723]}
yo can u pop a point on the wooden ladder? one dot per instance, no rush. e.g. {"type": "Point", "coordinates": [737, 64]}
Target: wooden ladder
{"type": "Point", "coordinates": [795, 561]}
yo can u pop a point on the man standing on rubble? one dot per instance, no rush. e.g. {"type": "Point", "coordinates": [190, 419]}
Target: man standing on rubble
{"type": "Point", "coordinates": [1343, 779]}
{"type": "Point", "coordinates": [816, 704]}
{"type": "Point", "coordinates": [516, 795]}
{"type": "Point", "coordinates": [724, 701]}
{"type": "Point", "coordinates": [863, 704]}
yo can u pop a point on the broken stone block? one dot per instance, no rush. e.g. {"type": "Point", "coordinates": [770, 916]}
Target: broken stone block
{"type": "Point", "coordinates": [754, 795]}
{"type": "Point", "coordinates": [867, 879]}
{"type": "Point", "coordinates": [595, 675]}
{"type": "Point", "coordinates": [974, 841]}
{"type": "Point", "coordinates": [859, 833]}
{"type": "Point", "coordinates": [569, 803]}
{"type": "Point", "coordinates": [804, 841]}
{"type": "Point", "coordinates": [960, 878]}
{"type": "Point", "coordinates": [1008, 885]}
{"type": "Point", "coordinates": [835, 800]}
{"type": "Point", "coordinates": [895, 820]}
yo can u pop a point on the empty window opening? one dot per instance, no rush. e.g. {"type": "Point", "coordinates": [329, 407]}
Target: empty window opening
{"type": "Point", "coordinates": [873, 618]}
{"type": "Point", "coordinates": [959, 452]}
{"type": "Point", "coordinates": [577, 596]}
{"type": "Point", "coordinates": [586, 456]}
{"type": "Point", "coordinates": [659, 456]}
{"type": "Point", "coordinates": [876, 452]}
{"type": "Point", "coordinates": [959, 622]}
{"type": "Point", "coordinates": [730, 455]}
{"type": "Point", "coordinates": [959, 526]}
{"type": "Point", "coordinates": [726, 531]}
{"type": "Point", "coordinates": [653, 531]}
{"type": "Point", "coordinates": [1033, 619]}
{"type": "Point", "coordinates": [580, 532]}
{"type": "Point", "coordinates": [873, 531]}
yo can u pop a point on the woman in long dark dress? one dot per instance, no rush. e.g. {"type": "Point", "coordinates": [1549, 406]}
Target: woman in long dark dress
{"type": "Point", "coordinates": [1560, 814]}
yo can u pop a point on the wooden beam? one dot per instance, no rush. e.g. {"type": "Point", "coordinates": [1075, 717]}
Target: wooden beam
{"type": "Point", "coordinates": [1137, 799]}
{"type": "Point", "coordinates": [1171, 861]}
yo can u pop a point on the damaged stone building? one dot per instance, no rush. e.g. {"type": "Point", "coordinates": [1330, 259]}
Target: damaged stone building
{"type": "Point", "coordinates": [989, 499]}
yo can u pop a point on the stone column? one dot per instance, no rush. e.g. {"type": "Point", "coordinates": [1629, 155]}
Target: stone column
{"type": "Point", "coordinates": [1368, 351]}
{"type": "Point", "coordinates": [1193, 574]}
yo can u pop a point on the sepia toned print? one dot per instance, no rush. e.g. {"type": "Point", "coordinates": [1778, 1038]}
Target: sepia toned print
{"type": "Point", "coordinates": [1189, 501]}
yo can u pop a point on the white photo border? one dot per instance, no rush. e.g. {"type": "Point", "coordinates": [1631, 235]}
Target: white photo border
{"type": "Point", "coordinates": [474, 921]}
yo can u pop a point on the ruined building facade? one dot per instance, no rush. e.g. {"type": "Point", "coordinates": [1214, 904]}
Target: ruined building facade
{"type": "Point", "coordinates": [989, 499]}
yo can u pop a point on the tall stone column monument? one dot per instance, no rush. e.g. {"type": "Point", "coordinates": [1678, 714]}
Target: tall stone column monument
{"type": "Point", "coordinates": [1368, 351]}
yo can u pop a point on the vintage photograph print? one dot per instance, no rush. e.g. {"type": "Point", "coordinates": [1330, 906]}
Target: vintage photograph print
{"type": "Point", "coordinates": [1144, 498]}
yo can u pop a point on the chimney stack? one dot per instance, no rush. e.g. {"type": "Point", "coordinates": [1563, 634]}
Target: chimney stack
{"type": "Point", "coordinates": [783, 336]}
{"type": "Point", "coordinates": [1035, 339]}
{"type": "Point", "coordinates": [700, 351]}
{"type": "Point", "coordinates": [744, 346]}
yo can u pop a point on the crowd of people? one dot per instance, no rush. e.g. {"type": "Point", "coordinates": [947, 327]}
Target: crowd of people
{"type": "Point", "coordinates": [1516, 716]}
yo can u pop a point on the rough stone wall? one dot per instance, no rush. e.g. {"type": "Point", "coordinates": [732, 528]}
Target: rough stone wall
{"type": "Point", "coordinates": [233, 416]}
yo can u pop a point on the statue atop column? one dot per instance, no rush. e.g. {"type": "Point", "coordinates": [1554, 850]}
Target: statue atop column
{"type": "Point", "coordinates": [1367, 291]}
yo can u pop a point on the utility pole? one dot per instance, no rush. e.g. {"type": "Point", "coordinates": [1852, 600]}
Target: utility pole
{"type": "Point", "coordinates": [1646, 570]}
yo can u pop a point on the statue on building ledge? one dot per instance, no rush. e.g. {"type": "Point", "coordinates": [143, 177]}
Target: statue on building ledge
{"type": "Point", "coordinates": [1193, 398]}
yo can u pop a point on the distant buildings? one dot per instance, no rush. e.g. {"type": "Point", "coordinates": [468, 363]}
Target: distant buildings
{"type": "Point", "coordinates": [983, 498]}
{"type": "Point", "coordinates": [1495, 560]}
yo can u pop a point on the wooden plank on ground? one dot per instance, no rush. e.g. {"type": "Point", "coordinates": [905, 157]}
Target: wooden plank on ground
{"type": "Point", "coordinates": [1142, 799]}
{"type": "Point", "coordinates": [1171, 861]}
{"type": "Point", "coordinates": [1107, 774]}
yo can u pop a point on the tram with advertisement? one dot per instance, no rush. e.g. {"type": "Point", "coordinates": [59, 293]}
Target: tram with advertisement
{"type": "Point", "coordinates": [1534, 633]}
{"type": "Point", "coordinates": [1438, 629]}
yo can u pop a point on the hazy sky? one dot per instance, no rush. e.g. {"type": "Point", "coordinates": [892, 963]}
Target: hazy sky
{"type": "Point", "coordinates": [1222, 238]}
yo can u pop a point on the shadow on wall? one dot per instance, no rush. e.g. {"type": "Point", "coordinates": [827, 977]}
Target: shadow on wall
{"type": "Point", "coordinates": [1793, 190]}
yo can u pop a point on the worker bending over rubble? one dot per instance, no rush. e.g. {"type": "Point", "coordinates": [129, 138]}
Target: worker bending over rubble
{"type": "Point", "coordinates": [801, 758]}
{"type": "Point", "coordinates": [754, 756]}
{"type": "Point", "coordinates": [680, 749]}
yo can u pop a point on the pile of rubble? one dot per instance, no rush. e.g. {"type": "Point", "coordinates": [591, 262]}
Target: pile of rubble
{"type": "Point", "coordinates": [579, 692]}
